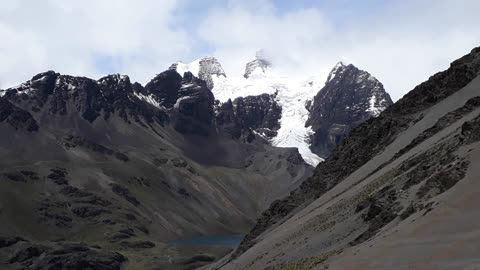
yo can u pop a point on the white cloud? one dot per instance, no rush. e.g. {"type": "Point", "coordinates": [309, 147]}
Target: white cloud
{"type": "Point", "coordinates": [71, 36]}
{"type": "Point", "coordinates": [402, 44]}
{"type": "Point", "coordinates": [237, 32]}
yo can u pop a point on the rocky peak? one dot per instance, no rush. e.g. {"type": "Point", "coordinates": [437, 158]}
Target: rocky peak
{"type": "Point", "coordinates": [258, 66]}
{"type": "Point", "coordinates": [187, 97]}
{"type": "Point", "coordinates": [41, 85]}
{"type": "Point", "coordinates": [369, 91]}
{"type": "Point", "coordinates": [336, 70]}
{"type": "Point", "coordinates": [349, 97]}
{"type": "Point", "coordinates": [210, 66]}
{"type": "Point", "coordinates": [115, 79]}
{"type": "Point", "coordinates": [205, 68]}
{"type": "Point", "coordinates": [114, 85]}
{"type": "Point", "coordinates": [164, 88]}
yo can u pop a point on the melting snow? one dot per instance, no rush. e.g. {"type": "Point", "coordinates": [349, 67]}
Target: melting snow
{"type": "Point", "coordinates": [148, 99]}
{"type": "Point", "coordinates": [40, 79]}
{"type": "Point", "coordinates": [373, 109]}
{"type": "Point", "coordinates": [70, 87]}
{"type": "Point", "coordinates": [177, 104]}
{"type": "Point", "coordinates": [188, 85]}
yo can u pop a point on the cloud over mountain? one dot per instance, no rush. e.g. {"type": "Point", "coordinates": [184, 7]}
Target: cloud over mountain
{"type": "Point", "coordinates": [141, 38]}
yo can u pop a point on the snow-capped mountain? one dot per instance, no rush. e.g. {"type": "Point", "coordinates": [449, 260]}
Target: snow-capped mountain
{"type": "Point", "coordinates": [206, 69]}
{"type": "Point", "coordinates": [295, 95]}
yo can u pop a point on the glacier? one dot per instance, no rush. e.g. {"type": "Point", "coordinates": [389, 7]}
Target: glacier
{"type": "Point", "coordinates": [291, 93]}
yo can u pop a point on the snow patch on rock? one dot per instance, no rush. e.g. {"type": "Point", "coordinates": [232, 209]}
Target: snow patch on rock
{"type": "Point", "coordinates": [193, 67]}
{"type": "Point", "coordinates": [148, 99]}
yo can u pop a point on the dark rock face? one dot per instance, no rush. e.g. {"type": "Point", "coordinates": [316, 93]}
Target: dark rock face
{"type": "Point", "coordinates": [371, 137]}
{"type": "Point", "coordinates": [57, 94]}
{"type": "Point", "coordinates": [195, 100]}
{"type": "Point", "coordinates": [16, 117]}
{"type": "Point", "coordinates": [188, 98]}
{"type": "Point", "coordinates": [261, 113]}
{"type": "Point", "coordinates": [350, 97]}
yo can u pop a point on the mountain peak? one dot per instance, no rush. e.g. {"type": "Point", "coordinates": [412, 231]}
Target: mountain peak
{"type": "Point", "coordinates": [358, 96]}
{"type": "Point", "coordinates": [204, 68]}
{"type": "Point", "coordinates": [258, 66]}
{"type": "Point", "coordinates": [337, 69]}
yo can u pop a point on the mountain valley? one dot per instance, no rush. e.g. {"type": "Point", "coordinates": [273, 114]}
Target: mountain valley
{"type": "Point", "coordinates": [110, 172]}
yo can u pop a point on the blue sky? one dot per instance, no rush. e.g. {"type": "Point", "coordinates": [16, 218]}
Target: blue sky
{"type": "Point", "coordinates": [401, 42]}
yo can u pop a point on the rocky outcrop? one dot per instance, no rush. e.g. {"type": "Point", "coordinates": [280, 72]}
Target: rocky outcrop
{"type": "Point", "coordinates": [350, 96]}
{"type": "Point", "coordinates": [16, 117]}
{"type": "Point", "coordinates": [206, 69]}
{"type": "Point", "coordinates": [260, 113]}
{"type": "Point", "coordinates": [194, 106]}
{"type": "Point", "coordinates": [188, 98]}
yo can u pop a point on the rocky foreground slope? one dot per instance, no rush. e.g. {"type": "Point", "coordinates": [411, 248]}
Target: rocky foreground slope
{"type": "Point", "coordinates": [101, 174]}
{"type": "Point", "coordinates": [400, 192]}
